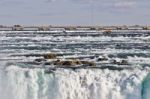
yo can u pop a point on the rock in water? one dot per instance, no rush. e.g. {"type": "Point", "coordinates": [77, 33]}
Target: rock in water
{"type": "Point", "coordinates": [67, 63]}
{"type": "Point", "coordinates": [50, 56]}
{"type": "Point", "coordinates": [74, 63]}
{"type": "Point", "coordinates": [121, 62]}
{"type": "Point", "coordinates": [124, 62]}
{"type": "Point", "coordinates": [102, 59]}
{"type": "Point", "coordinates": [88, 63]}
{"type": "Point", "coordinates": [107, 32]}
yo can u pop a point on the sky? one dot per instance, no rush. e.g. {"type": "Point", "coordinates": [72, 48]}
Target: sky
{"type": "Point", "coordinates": [75, 12]}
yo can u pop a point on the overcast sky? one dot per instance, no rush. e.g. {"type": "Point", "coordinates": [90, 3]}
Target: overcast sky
{"type": "Point", "coordinates": [75, 12]}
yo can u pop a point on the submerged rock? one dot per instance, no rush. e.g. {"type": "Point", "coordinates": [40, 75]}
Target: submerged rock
{"type": "Point", "coordinates": [39, 60]}
{"type": "Point", "coordinates": [47, 63]}
{"type": "Point", "coordinates": [122, 62]}
{"type": "Point", "coordinates": [102, 59]}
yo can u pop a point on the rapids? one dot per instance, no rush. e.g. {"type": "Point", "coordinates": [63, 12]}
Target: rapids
{"type": "Point", "coordinates": [18, 80]}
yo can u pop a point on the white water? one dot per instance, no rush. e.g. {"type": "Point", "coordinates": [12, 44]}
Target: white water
{"type": "Point", "coordinates": [28, 83]}
{"type": "Point", "coordinates": [79, 84]}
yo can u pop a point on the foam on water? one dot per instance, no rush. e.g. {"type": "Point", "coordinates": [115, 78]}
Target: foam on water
{"type": "Point", "coordinates": [29, 83]}
{"type": "Point", "coordinates": [79, 84]}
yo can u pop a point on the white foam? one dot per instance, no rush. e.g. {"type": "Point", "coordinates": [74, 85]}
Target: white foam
{"type": "Point", "coordinates": [25, 83]}
{"type": "Point", "coordinates": [80, 84]}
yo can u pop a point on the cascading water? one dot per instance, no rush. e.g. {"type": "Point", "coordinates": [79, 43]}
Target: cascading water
{"type": "Point", "coordinates": [146, 87]}
{"type": "Point", "coordinates": [20, 78]}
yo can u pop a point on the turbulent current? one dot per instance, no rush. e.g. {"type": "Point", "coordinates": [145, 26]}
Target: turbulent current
{"type": "Point", "coordinates": [22, 78]}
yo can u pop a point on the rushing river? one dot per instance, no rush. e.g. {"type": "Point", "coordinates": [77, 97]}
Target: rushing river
{"type": "Point", "coordinates": [20, 78]}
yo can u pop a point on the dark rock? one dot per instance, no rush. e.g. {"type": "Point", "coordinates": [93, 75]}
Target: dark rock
{"type": "Point", "coordinates": [17, 25]}
{"type": "Point", "coordinates": [57, 62]}
{"type": "Point", "coordinates": [92, 28]}
{"type": "Point", "coordinates": [17, 28]}
{"type": "Point", "coordinates": [73, 63]}
{"type": "Point", "coordinates": [50, 56]}
{"type": "Point", "coordinates": [112, 68]}
{"type": "Point", "coordinates": [88, 63]}
{"type": "Point", "coordinates": [145, 28]}
{"type": "Point", "coordinates": [115, 62]}
{"type": "Point", "coordinates": [102, 59]}
{"type": "Point", "coordinates": [107, 32]}
{"type": "Point", "coordinates": [40, 60]}
{"type": "Point", "coordinates": [123, 62]}
{"type": "Point", "coordinates": [118, 45]}
{"type": "Point", "coordinates": [47, 63]}
{"type": "Point", "coordinates": [67, 62]}
{"type": "Point", "coordinates": [92, 57]}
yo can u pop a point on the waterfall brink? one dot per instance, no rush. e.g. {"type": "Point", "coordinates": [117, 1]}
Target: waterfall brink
{"type": "Point", "coordinates": [79, 84]}
{"type": "Point", "coordinates": [31, 84]}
